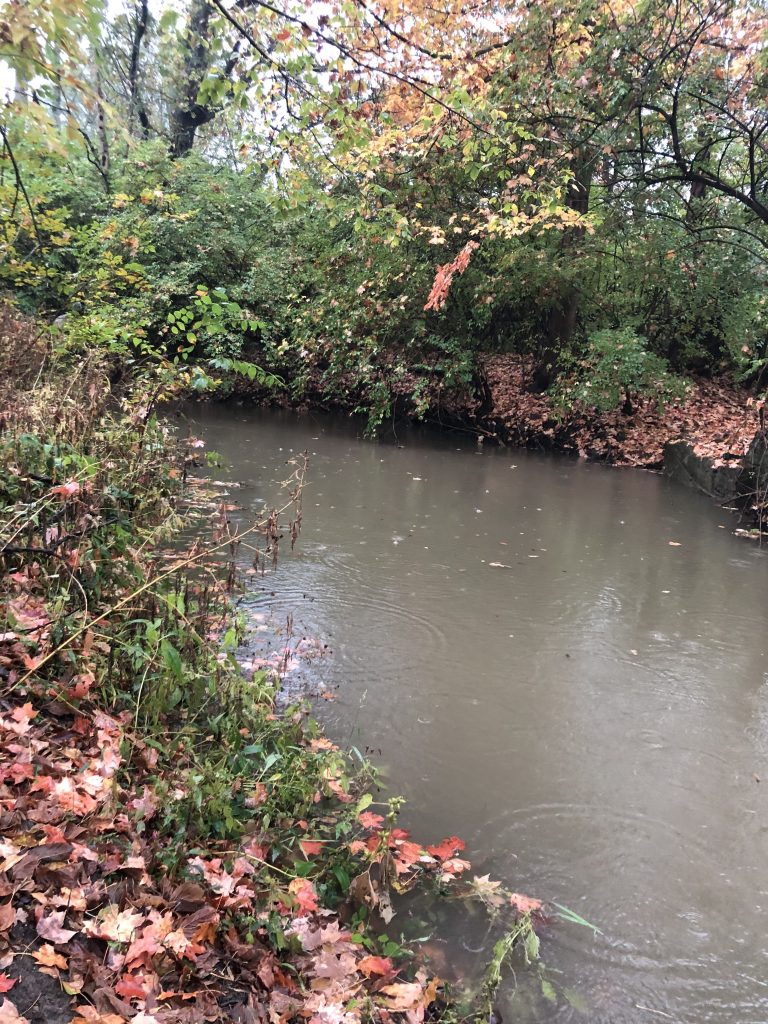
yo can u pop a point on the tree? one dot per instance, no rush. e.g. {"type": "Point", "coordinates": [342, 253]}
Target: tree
{"type": "Point", "coordinates": [187, 113]}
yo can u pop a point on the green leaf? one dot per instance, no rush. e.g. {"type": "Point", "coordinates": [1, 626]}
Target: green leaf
{"type": "Point", "coordinates": [531, 946]}
{"type": "Point", "coordinates": [576, 1000]}
{"type": "Point", "coordinates": [172, 658]}
{"type": "Point", "coordinates": [548, 990]}
{"type": "Point", "coordinates": [364, 802]}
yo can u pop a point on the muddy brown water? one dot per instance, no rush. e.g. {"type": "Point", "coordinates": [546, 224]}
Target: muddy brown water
{"type": "Point", "coordinates": [562, 663]}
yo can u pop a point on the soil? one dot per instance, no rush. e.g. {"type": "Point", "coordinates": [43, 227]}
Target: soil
{"type": "Point", "coordinates": [37, 996]}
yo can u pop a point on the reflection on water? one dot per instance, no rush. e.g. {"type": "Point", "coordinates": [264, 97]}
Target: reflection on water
{"type": "Point", "coordinates": [562, 663]}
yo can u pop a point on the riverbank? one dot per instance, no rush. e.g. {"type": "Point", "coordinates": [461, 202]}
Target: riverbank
{"type": "Point", "coordinates": [173, 848]}
{"type": "Point", "coordinates": [712, 439]}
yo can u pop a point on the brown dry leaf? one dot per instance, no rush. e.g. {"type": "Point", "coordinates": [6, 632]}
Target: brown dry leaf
{"type": "Point", "coordinates": [48, 957]}
{"type": "Point", "coordinates": [336, 967]}
{"type": "Point", "coordinates": [114, 925]}
{"type": "Point", "coordinates": [455, 866]}
{"type": "Point", "coordinates": [51, 928]}
{"type": "Point", "coordinates": [90, 1015]}
{"type": "Point", "coordinates": [7, 916]}
{"type": "Point", "coordinates": [487, 890]}
{"type": "Point", "coordinates": [403, 995]}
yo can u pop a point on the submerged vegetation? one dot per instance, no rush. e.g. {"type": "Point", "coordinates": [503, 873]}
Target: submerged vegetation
{"type": "Point", "coordinates": [548, 220]}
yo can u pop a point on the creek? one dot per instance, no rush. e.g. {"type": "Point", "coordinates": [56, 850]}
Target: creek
{"type": "Point", "coordinates": [562, 663]}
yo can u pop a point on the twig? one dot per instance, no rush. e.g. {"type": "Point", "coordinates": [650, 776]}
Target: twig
{"type": "Point", "coordinates": [20, 183]}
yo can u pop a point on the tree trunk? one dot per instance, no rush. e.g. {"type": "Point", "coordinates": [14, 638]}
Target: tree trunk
{"type": "Point", "coordinates": [101, 131]}
{"type": "Point", "coordinates": [187, 114]}
{"type": "Point", "coordinates": [561, 322]}
{"type": "Point", "coordinates": [136, 110]}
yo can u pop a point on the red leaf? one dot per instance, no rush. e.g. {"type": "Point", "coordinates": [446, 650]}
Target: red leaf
{"type": "Point", "coordinates": [370, 820]}
{"type": "Point", "coordinates": [407, 854]}
{"type": "Point", "coordinates": [66, 490]}
{"type": "Point", "coordinates": [447, 848]}
{"type": "Point", "coordinates": [6, 983]}
{"type": "Point", "coordinates": [525, 904]}
{"type": "Point", "coordinates": [130, 987]}
{"type": "Point", "coordinates": [304, 894]}
{"type": "Point", "coordinates": [310, 847]}
{"type": "Point", "coordinates": [335, 788]}
{"type": "Point", "coordinates": [375, 965]}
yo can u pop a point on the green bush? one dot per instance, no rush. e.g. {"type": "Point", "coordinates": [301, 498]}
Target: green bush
{"type": "Point", "coordinates": [618, 370]}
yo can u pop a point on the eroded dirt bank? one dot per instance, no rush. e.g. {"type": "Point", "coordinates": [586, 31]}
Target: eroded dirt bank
{"type": "Point", "coordinates": [713, 440]}
{"type": "Point", "coordinates": [718, 420]}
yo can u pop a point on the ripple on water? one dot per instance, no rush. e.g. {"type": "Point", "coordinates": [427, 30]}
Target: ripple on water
{"type": "Point", "coordinates": [560, 846]}
{"type": "Point", "coordinates": [457, 669]}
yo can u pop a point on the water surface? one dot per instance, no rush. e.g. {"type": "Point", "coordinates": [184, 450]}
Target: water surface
{"type": "Point", "coordinates": [562, 663]}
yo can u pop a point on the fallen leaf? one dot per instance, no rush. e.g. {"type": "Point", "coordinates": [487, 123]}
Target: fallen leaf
{"type": "Point", "coordinates": [370, 820]}
{"type": "Point", "coordinates": [24, 713]}
{"type": "Point", "coordinates": [407, 853]}
{"type": "Point", "coordinates": [6, 983]}
{"type": "Point", "coordinates": [455, 866]}
{"type": "Point", "coordinates": [7, 916]}
{"type": "Point", "coordinates": [487, 890]}
{"type": "Point", "coordinates": [304, 894]}
{"type": "Point", "coordinates": [48, 957]}
{"type": "Point", "coordinates": [310, 847]}
{"type": "Point", "coordinates": [67, 489]}
{"type": "Point", "coordinates": [51, 928]}
{"type": "Point", "coordinates": [403, 995]}
{"type": "Point", "coordinates": [114, 925]}
{"type": "Point", "coordinates": [333, 965]}
{"type": "Point", "coordinates": [374, 965]}
{"type": "Point", "coordinates": [90, 1015]}
{"type": "Point", "coordinates": [10, 1015]}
